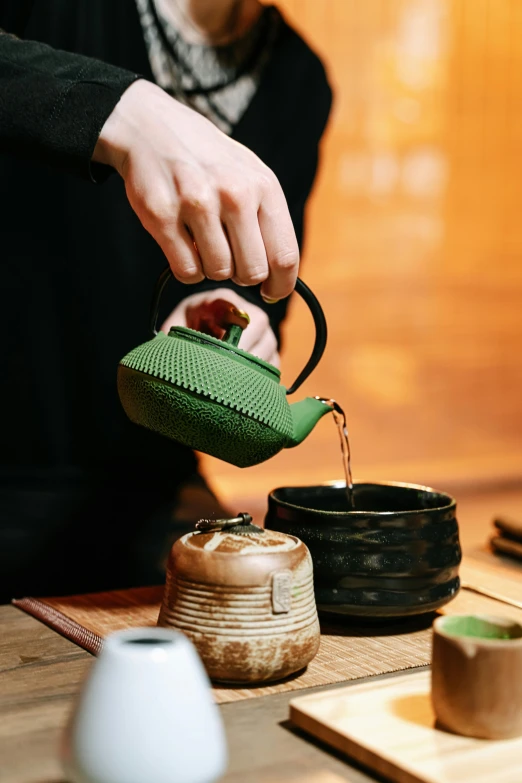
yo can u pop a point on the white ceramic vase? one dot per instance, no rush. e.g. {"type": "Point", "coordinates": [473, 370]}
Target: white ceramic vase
{"type": "Point", "coordinates": [145, 715]}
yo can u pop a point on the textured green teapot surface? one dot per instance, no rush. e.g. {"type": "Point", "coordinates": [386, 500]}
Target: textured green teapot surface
{"type": "Point", "coordinates": [214, 397]}
{"type": "Point", "coordinates": [208, 395]}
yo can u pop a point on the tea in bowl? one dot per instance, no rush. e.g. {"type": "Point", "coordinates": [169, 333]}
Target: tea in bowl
{"type": "Point", "coordinates": [397, 553]}
{"type": "Point", "coordinates": [476, 677]}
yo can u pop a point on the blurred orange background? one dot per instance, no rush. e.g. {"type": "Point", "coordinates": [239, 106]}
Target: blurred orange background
{"type": "Point", "coordinates": [414, 248]}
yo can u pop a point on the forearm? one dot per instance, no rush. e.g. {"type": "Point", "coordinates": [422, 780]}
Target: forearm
{"type": "Point", "coordinates": [53, 104]}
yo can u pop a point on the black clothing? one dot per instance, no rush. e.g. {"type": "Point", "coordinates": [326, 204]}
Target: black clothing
{"type": "Point", "coordinates": [216, 81]}
{"type": "Point", "coordinates": [54, 104]}
{"type": "Point", "coordinates": [78, 270]}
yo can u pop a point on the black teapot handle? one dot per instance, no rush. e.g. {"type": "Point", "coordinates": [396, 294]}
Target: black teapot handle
{"type": "Point", "coordinates": [304, 292]}
{"type": "Point", "coordinates": [162, 281]}
{"type": "Point", "coordinates": [321, 334]}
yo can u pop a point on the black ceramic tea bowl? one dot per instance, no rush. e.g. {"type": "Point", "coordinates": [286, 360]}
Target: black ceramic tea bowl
{"type": "Point", "coordinates": [396, 554]}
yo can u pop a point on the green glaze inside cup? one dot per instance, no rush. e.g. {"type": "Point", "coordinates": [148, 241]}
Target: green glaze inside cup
{"type": "Point", "coordinates": [480, 627]}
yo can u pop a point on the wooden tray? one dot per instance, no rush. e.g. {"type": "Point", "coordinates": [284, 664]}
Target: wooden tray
{"type": "Point", "coordinates": [389, 727]}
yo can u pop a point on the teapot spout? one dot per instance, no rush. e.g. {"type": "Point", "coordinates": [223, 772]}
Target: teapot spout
{"type": "Point", "coordinates": [305, 415]}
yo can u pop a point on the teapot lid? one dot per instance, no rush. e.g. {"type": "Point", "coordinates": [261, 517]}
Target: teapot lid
{"type": "Point", "coordinates": [233, 335]}
{"type": "Point", "coordinates": [229, 344]}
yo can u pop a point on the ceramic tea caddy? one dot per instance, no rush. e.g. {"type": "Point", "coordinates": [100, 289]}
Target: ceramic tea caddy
{"type": "Point", "coordinates": [245, 598]}
{"type": "Point", "coordinates": [211, 395]}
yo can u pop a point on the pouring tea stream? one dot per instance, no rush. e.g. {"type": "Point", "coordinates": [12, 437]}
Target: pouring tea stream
{"type": "Point", "coordinates": [340, 422]}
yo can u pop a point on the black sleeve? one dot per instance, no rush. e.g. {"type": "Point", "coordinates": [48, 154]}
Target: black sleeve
{"type": "Point", "coordinates": [53, 104]}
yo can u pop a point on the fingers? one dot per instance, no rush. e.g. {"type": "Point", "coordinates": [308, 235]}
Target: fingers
{"type": "Point", "coordinates": [214, 208]}
{"type": "Point", "coordinates": [189, 229]}
{"type": "Point", "coordinates": [204, 222]}
{"type": "Point", "coordinates": [178, 245]}
{"type": "Point", "coordinates": [281, 245]}
{"type": "Point", "coordinates": [248, 248]}
{"type": "Point", "coordinates": [190, 233]}
{"type": "Point", "coordinates": [238, 240]}
{"type": "Point", "coordinates": [158, 209]}
{"type": "Point", "coordinates": [262, 238]}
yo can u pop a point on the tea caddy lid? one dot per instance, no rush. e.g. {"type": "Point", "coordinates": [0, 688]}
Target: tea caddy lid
{"type": "Point", "coordinates": [237, 536]}
{"type": "Point", "coordinates": [226, 553]}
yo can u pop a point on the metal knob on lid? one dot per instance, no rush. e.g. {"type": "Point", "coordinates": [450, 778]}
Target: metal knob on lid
{"type": "Point", "coordinates": [240, 525]}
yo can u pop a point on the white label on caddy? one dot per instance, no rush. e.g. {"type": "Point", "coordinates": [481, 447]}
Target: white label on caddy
{"type": "Point", "coordinates": [281, 592]}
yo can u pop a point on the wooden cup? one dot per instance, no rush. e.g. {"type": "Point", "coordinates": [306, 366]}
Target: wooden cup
{"type": "Point", "coordinates": [476, 685]}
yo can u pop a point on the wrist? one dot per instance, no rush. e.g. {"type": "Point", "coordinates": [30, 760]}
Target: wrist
{"type": "Point", "coordinates": [113, 145]}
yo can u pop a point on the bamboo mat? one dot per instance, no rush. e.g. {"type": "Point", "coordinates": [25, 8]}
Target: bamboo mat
{"type": "Point", "coordinates": [348, 651]}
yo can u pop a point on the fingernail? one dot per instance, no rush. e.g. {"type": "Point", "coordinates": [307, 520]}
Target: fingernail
{"type": "Point", "coordinates": [268, 300]}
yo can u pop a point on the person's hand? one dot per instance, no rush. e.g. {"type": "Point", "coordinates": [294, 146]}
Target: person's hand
{"type": "Point", "coordinates": [213, 207]}
{"type": "Point", "coordinates": [205, 312]}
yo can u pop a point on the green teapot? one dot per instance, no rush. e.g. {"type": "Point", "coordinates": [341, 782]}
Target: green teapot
{"type": "Point", "coordinates": [210, 395]}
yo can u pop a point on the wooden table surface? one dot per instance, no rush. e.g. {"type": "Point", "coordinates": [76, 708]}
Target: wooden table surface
{"type": "Point", "coordinates": [40, 673]}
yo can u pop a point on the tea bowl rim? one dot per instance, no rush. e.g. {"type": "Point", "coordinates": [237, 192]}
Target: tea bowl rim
{"type": "Point", "coordinates": [452, 503]}
{"type": "Point", "coordinates": [494, 619]}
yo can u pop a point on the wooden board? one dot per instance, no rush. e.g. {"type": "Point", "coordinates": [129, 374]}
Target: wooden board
{"type": "Point", "coordinates": [492, 580]}
{"type": "Point", "coordinates": [389, 726]}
